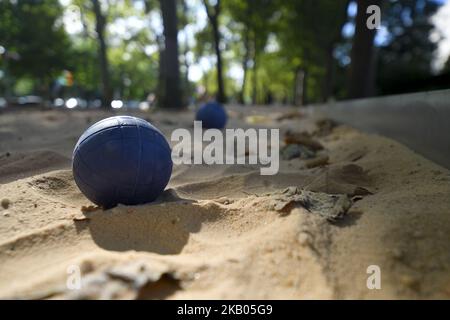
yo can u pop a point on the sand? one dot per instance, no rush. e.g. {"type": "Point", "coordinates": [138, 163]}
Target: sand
{"type": "Point", "coordinates": [224, 232]}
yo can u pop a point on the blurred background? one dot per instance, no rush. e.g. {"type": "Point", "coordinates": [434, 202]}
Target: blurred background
{"type": "Point", "coordinates": [140, 54]}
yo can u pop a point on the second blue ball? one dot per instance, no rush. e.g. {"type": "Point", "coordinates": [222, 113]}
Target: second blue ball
{"type": "Point", "coordinates": [212, 115]}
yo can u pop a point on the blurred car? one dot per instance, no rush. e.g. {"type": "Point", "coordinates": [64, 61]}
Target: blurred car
{"type": "Point", "coordinates": [132, 104]}
{"type": "Point", "coordinates": [144, 106]}
{"type": "Point", "coordinates": [94, 104]}
{"type": "Point", "coordinates": [28, 101]}
{"type": "Point", "coordinates": [3, 103]}
{"type": "Point", "coordinates": [75, 102]}
{"type": "Point", "coordinates": [117, 104]}
{"type": "Point", "coordinates": [58, 103]}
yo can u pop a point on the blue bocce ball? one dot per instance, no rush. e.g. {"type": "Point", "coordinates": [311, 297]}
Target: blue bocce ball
{"type": "Point", "coordinates": [212, 115]}
{"type": "Point", "coordinates": [122, 160]}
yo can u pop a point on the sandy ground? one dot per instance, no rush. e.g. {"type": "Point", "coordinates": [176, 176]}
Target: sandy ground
{"type": "Point", "coordinates": [215, 232]}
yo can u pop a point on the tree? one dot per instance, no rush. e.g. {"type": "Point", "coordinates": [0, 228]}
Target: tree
{"type": "Point", "coordinates": [240, 12]}
{"type": "Point", "coordinates": [361, 79]}
{"type": "Point", "coordinates": [256, 20]}
{"type": "Point", "coordinates": [213, 13]}
{"type": "Point", "coordinates": [258, 28]}
{"type": "Point", "coordinates": [170, 93]}
{"type": "Point", "coordinates": [309, 32]}
{"type": "Point", "coordinates": [332, 38]}
{"type": "Point", "coordinates": [186, 18]}
{"type": "Point", "coordinates": [100, 24]}
{"type": "Point", "coordinates": [29, 30]}
{"type": "Point", "coordinates": [406, 56]}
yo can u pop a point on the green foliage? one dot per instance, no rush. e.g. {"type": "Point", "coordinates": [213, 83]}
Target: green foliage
{"type": "Point", "coordinates": [24, 86]}
{"type": "Point", "coordinates": [33, 29]}
{"type": "Point", "coordinates": [308, 32]}
{"type": "Point", "coordinates": [270, 39]}
{"type": "Point", "coordinates": [134, 74]}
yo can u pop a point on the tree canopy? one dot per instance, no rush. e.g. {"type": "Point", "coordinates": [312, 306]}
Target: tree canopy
{"type": "Point", "coordinates": [241, 51]}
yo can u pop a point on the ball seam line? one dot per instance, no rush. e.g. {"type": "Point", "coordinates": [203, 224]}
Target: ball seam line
{"type": "Point", "coordinates": [139, 158]}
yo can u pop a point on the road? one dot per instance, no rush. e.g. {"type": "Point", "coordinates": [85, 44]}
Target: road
{"type": "Point", "coordinates": [420, 120]}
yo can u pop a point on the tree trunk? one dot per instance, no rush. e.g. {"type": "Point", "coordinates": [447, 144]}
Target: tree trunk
{"type": "Point", "coordinates": [255, 71]}
{"type": "Point", "coordinates": [329, 75]}
{"type": "Point", "coordinates": [205, 82]}
{"type": "Point", "coordinates": [300, 98]}
{"type": "Point", "coordinates": [245, 67]}
{"type": "Point", "coordinates": [100, 24]}
{"type": "Point", "coordinates": [186, 50]}
{"type": "Point", "coordinates": [170, 95]}
{"type": "Point", "coordinates": [186, 62]}
{"type": "Point", "coordinates": [220, 85]}
{"type": "Point", "coordinates": [305, 88]}
{"type": "Point", "coordinates": [160, 85]}
{"type": "Point", "coordinates": [214, 20]}
{"type": "Point", "coordinates": [361, 78]}
{"type": "Point", "coordinates": [328, 85]}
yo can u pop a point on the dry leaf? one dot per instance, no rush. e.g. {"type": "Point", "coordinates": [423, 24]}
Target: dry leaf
{"type": "Point", "coordinates": [330, 207]}
{"type": "Point", "coordinates": [290, 115]}
{"type": "Point", "coordinates": [303, 139]}
{"type": "Point", "coordinates": [317, 162]}
{"type": "Point", "coordinates": [81, 218]}
{"type": "Point", "coordinates": [292, 151]}
{"type": "Point", "coordinates": [325, 127]}
{"type": "Point", "coordinates": [90, 208]}
{"type": "Point", "coordinates": [132, 280]}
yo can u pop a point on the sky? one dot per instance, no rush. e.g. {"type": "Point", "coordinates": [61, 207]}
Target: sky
{"type": "Point", "coordinates": [122, 27]}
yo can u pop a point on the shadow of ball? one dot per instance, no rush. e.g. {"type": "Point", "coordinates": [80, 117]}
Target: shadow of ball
{"type": "Point", "coordinates": [212, 115]}
{"type": "Point", "coordinates": [122, 160]}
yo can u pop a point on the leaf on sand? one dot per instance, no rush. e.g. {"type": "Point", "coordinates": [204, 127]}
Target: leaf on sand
{"type": "Point", "coordinates": [291, 115]}
{"type": "Point", "coordinates": [133, 280]}
{"type": "Point", "coordinates": [257, 119]}
{"type": "Point", "coordinates": [86, 209]}
{"type": "Point", "coordinates": [325, 127]}
{"type": "Point", "coordinates": [292, 151]}
{"type": "Point", "coordinates": [303, 139]}
{"type": "Point", "coordinates": [319, 161]}
{"type": "Point", "coordinates": [80, 218]}
{"type": "Point", "coordinates": [329, 206]}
